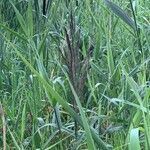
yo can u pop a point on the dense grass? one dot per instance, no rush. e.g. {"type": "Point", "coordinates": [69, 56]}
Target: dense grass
{"type": "Point", "coordinates": [74, 75]}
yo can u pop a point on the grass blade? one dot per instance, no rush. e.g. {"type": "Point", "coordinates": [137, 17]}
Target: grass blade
{"type": "Point", "coordinates": [90, 141]}
{"type": "Point", "coordinates": [13, 32]}
{"type": "Point", "coordinates": [121, 14]}
{"type": "Point", "coordinates": [30, 19]}
{"type": "Point", "coordinates": [14, 139]}
{"type": "Point", "coordinates": [20, 19]}
{"type": "Point", "coordinates": [134, 139]}
{"type": "Point", "coordinates": [23, 122]}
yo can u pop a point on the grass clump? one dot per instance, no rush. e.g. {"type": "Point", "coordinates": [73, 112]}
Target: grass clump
{"type": "Point", "coordinates": [74, 75]}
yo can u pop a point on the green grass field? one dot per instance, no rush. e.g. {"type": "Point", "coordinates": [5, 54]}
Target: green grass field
{"type": "Point", "coordinates": [74, 75]}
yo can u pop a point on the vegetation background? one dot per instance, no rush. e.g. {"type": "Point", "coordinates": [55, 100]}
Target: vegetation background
{"type": "Point", "coordinates": [75, 74]}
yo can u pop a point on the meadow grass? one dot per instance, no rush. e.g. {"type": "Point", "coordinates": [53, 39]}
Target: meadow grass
{"type": "Point", "coordinates": [74, 75]}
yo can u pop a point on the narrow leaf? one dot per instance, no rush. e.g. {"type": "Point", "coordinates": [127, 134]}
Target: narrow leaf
{"type": "Point", "coordinates": [13, 32]}
{"type": "Point", "coordinates": [30, 19]}
{"type": "Point", "coordinates": [20, 19]}
{"type": "Point", "coordinates": [23, 122]}
{"type": "Point", "coordinates": [120, 13]}
{"type": "Point", "coordinates": [134, 139]}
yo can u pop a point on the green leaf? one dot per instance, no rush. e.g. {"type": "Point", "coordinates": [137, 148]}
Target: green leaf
{"type": "Point", "coordinates": [120, 13]}
{"type": "Point", "coordinates": [134, 139]}
{"type": "Point", "coordinates": [13, 32]}
{"type": "Point", "coordinates": [30, 19]}
{"type": "Point", "coordinates": [20, 19]}
{"type": "Point", "coordinates": [13, 138]}
{"type": "Point", "coordinates": [90, 142]}
{"type": "Point", "coordinates": [23, 122]}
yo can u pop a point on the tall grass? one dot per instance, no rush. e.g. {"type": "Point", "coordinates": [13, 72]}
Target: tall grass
{"type": "Point", "coordinates": [74, 74]}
